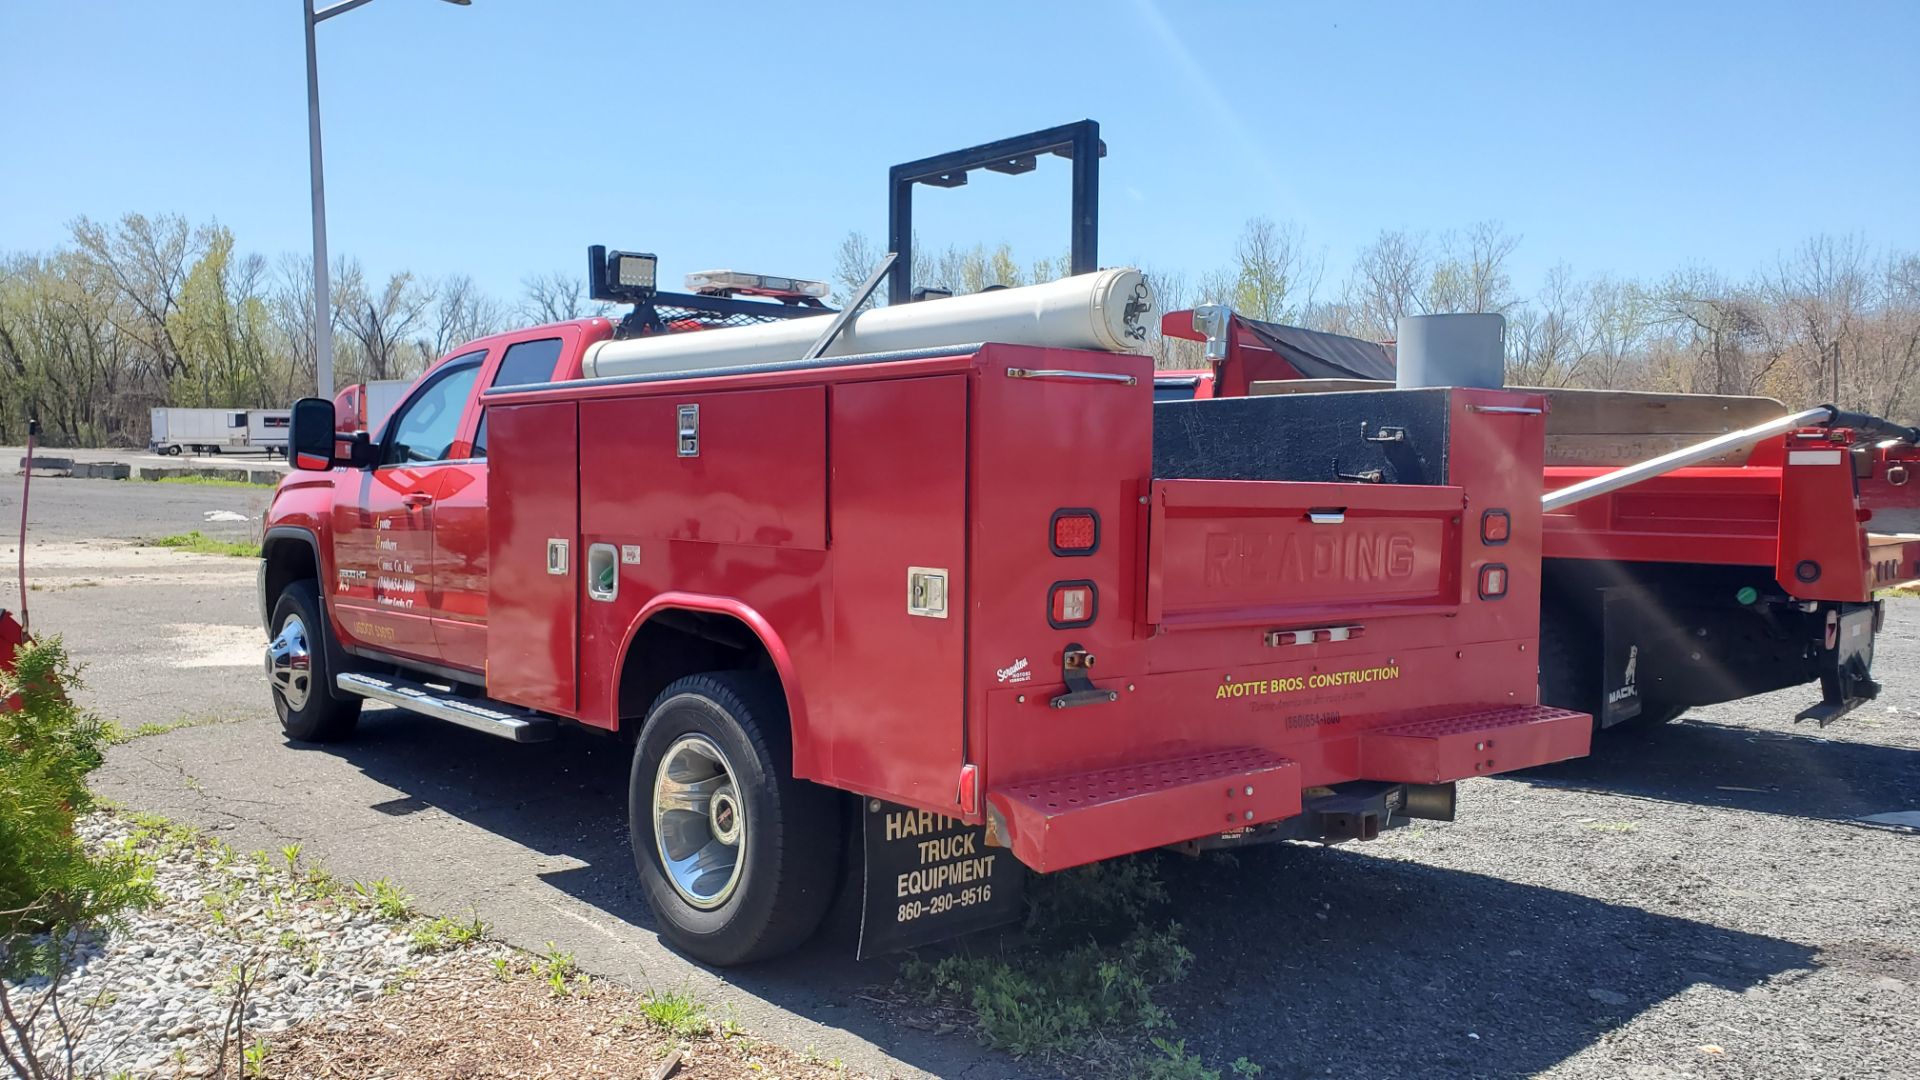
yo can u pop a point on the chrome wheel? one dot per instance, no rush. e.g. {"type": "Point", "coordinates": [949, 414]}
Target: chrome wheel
{"type": "Point", "coordinates": [290, 663]}
{"type": "Point", "coordinates": [699, 823]}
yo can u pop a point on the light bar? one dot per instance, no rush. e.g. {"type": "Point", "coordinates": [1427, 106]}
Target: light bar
{"type": "Point", "coordinates": [733, 281]}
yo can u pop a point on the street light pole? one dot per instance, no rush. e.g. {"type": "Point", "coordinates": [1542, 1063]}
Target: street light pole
{"type": "Point", "coordinates": [322, 296]}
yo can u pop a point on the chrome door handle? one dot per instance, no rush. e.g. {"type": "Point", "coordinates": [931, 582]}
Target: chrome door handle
{"type": "Point", "coordinates": [416, 499]}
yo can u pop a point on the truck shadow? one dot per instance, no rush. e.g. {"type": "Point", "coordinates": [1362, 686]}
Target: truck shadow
{"type": "Point", "coordinates": [1351, 965]}
{"type": "Point", "coordinates": [1745, 768]}
{"type": "Point", "coordinates": [1308, 961]}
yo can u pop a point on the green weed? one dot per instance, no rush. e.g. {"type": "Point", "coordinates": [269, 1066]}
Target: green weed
{"type": "Point", "coordinates": [384, 896]}
{"type": "Point", "coordinates": [676, 1012]}
{"type": "Point", "coordinates": [198, 541]}
{"type": "Point", "coordinates": [441, 933]}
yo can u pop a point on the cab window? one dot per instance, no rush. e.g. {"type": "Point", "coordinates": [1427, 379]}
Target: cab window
{"type": "Point", "coordinates": [525, 362]}
{"type": "Point", "coordinates": [425, 427]}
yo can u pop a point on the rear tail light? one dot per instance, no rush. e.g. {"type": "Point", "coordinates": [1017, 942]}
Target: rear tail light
{"type": "Point", "coordinates": [1493, 581]}
{"type": "Point", "coordinates": [1071, 604]}
{"type": "Point", "coordinates": [1496, 526]}
{"type": "Point", "coordinates": [1074, 532]}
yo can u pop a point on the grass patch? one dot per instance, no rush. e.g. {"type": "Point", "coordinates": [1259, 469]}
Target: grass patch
{"type": "Point", "coordinates": [1078, 981]}
{"type": "Point", "coordinates": [200, 542]}
{"type": "Point", "coordinates": [676, 1012]}
{"type": "Point", "coordinates": [1610, 826]}
{"type": "Point", "coordinates": [212, 481]}
{"type": "Point", "coordinates": [117, 734]}
{"type": "Point", "coordinates": [441, 933]}
{"type": "Point", "coordinates": [1902, 593]}
{"type": "Point", "coordinates": [390, 900]}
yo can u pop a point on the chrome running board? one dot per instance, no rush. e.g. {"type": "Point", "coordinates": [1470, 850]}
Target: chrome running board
{"type": "Point", "coordinates": [480, 714]}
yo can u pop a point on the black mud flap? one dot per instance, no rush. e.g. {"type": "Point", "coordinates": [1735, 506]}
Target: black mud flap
{"type": "Point", "coordinates": [1620, 634]}
{"type": "Point", "coordinates": [1846, 663]}
{"type": "Point", "coordinates": [929, 878]}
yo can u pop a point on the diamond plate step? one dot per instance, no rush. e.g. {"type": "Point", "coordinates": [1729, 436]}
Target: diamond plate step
{"type": "Point", "coordinates": [1063, 821]}
{"type": "Point", "coordinates": [1477, 743]}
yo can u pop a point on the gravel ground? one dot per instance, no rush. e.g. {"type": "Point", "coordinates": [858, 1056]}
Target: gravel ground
{"type": "Point", "coordinates": [157, 993]}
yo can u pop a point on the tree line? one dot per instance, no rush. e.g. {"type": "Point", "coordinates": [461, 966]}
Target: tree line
{"type": "Point", "coordinates": [143, 312]}
{"type": "Point", "coordinates": [1832, 320]}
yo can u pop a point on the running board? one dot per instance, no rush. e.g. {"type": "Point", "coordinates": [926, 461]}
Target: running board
{"type": "Point", "coordinates": [480, 714]}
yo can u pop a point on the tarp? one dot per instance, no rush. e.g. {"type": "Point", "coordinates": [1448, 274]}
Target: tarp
{"type": "Point", "coordinates": [1324, 356]}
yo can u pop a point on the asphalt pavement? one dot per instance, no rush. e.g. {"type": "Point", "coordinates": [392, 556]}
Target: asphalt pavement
{"type": "Point", "coordinates": [1712, 899]}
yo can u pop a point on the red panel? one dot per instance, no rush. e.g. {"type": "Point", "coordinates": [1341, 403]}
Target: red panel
{"type": "Point", "coordinates": [531, 614]}
{"type": "Point", "coordinates": [1065, 821]}
{"type": "Point", "coordinates": [899, 501]}
{"type": "Point", "coordinates": [760, 476]}
{"type": "Point", "coordinates": [460, 565]}
{"type": "Point", "coordinates": [1820, 524]}
{"type": "Point", "coordinates": [1480, 743]}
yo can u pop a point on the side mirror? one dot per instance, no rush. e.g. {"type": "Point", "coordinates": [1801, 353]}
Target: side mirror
{"type": "Point", "coordinates": [314, 446]}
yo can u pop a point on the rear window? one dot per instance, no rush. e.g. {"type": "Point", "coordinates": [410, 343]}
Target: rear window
{"type": "Point", "coordinates": [528, 362]}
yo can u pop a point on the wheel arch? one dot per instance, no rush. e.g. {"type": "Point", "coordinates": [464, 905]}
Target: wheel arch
{"type": "Point", "coordinates": [678, 634]}
{"type": "Point", "coordinates": [290, 553]}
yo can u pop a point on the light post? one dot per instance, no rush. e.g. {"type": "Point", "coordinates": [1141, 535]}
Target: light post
{"type": "Point", "coordinates": [322, 297]}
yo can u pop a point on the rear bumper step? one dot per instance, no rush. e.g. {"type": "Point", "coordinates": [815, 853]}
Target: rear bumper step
{"type": "Point", "coordinates": [480, 714]}
{"type": "Point", "coordinates": [1069, 820]}
{"type": "Point", "coordinates": [1474, 744]}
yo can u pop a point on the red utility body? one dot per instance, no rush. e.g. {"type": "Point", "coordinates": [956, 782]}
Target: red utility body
{"type": "Point", "coordinates": [815, 493]}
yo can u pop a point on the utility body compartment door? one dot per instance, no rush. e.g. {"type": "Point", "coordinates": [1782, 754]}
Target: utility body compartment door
{"type": "Point", "coordinates": [533, 564]}
{"type": "Point", "coordinates": [898, 502]}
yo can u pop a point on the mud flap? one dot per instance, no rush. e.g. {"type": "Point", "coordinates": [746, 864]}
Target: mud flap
{"type": "Point", "coordinates": [1620, 634]}
{"type": "Point", "coordinates": [1846, 663]}
{"type": "Point", "coordinates": [929, 878]}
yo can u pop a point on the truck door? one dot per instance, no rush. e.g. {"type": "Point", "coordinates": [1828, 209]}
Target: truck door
{"type": "Point", "coordinates": [459, 592]}
{"type": "Point", "coordinates": [383, 537]}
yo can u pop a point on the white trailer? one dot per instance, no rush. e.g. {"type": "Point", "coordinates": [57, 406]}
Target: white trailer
{"type": "Point", "coordinates": [382, 396]}
{"type": "Point", "coordinates": [200, 431]}
{"type": "Point", "coordinates": [267, 429]}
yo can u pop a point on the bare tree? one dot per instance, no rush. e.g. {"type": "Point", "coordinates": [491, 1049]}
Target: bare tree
{"type": "Point", "coordinates": [1274, 275]}
{"type": "Point", "coordinates": [557, 297]}
{"type": "Point", "coordinates": [1471, 273]}
{"type": "Point", "coordinates": [380, 321]}
{"type": "Point", "coordinates": [457, 313]}
{"type": "Point", "coordinates": [1387, 281]}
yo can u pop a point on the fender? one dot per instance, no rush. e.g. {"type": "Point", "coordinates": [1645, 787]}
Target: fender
{"type": "Point", "coordinates": [303, 536]}
{"type": "Point", "coordinates": [806, 752]}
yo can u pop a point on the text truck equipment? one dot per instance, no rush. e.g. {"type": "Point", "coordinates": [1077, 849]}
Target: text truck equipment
{"type": "Point", "coordinates": [1698, 548]}
{"type": "Point", "coordinates": [948, 574]}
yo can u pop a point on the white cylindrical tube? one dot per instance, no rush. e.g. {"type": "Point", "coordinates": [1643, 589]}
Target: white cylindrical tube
{"type": "Point", "coordinates": [1109, 310]}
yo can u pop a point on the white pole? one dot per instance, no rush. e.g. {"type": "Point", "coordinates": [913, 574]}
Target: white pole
{"type": "Point", "coordinates": [1681, 458]}
{"type": "Point", "coordinates": [322, 297]}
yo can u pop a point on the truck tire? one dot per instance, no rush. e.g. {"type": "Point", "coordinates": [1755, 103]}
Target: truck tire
{"type": "Point", "coordinates": [297, 670]}
{"type": "Point", "coordinates": [737, 858]}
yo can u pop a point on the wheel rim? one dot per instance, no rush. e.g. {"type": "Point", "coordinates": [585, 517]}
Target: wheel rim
{"type": "Point", "coordinates": [699, 822]}
{"type": "Point", "coordinates": [290, 663]}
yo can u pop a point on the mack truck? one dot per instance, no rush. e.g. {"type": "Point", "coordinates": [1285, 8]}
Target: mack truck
{"type": "Point", "coordinates": [921, 597]}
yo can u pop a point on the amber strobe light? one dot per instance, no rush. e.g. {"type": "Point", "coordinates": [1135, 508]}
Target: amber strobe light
{"type": "Point", "coordinates": [1074, 532]}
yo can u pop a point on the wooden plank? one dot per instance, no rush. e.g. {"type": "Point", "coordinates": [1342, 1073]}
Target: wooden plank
{"type": "Point", "coordinates": [1634, 412]}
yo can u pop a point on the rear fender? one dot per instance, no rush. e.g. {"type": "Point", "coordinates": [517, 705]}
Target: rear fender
{"type": "Point", "coordinates": [808, 757]}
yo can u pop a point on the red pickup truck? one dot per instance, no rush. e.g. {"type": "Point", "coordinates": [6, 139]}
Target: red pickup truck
{"type": "Point", "coordinates": [933, 592]}
{"type": "Point", "coordinates": [995, 591]}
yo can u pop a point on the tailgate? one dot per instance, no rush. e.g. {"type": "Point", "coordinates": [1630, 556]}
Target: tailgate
{"type": "Point", "coordinates": [1254, 552]}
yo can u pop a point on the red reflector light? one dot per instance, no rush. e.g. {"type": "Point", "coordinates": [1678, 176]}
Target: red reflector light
{"type": "Point", "coordinates": [1072, 603]}
{"type": "Point", "coordinates": [1493, 581]}
{"type": "Point", "coordinates": [1075, 532]}
{"type": "Point", "coordinates": [1496, 526]}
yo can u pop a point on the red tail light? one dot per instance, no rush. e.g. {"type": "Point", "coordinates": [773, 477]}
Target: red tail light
{"type": "Point", "coordinates": [1071, 604]}
{"type": "Point", "coordinates": [1074, 532]}
{"type": "Point", "coordinates": [1496, 526]}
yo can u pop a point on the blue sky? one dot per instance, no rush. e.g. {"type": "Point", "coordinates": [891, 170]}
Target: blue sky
{"type": "Point", "coordinates": [501, 139]}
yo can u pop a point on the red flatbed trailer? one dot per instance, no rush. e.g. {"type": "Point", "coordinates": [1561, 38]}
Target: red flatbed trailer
{"type": "Point", "coordinates": [1705, 584]}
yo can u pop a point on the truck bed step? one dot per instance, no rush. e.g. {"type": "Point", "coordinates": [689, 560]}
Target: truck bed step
{"type": "Point", "coordinates": [1475, 743]}
{"type": "Point", "coordinates": [1063, 821]}
{"type": "Point", "coordinates": [480, 714]}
